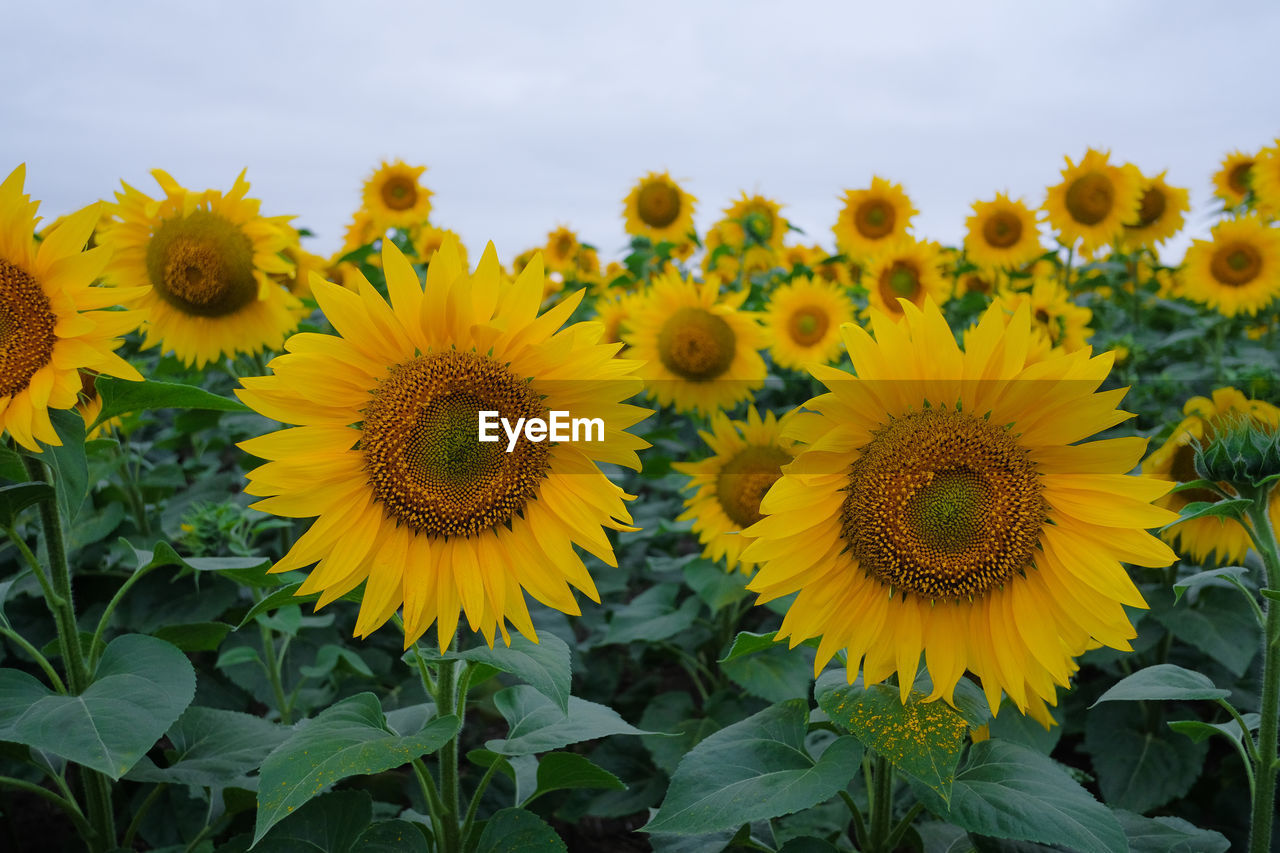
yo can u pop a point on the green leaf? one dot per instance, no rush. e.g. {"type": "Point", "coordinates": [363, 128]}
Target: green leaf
{"type": "Point", "coordinates": [544, 665]}
{"type": "Point", "coordinates": [1225, 508]}
{"type": "Point", "coordinates": [194, 636]}
{"type": "Point", "coordinates": [1015, 726]}
{"type": "Point", "coordinates": [14, 499]}
{"type": "Point", "coordinates": [518, 831]}
{"type": "Point", "coordinates": [1215, 577]}
{"type": "Point", "coordinates": [922, 739]}
{"type": "Point", "coordinates": [774, 673]}
{"type": "Point", "coordinates": [332, 823]}
{"type": "Point", "coordinates": [1270, 594]}
{"type": "Point", "coordinates": [716, 587]}
{"type": "Point", "coordinates": [1136, 768]}
{"type": "Point", "coordinates": [391, 836]}
{"type": "Point", "coordinates": [348, 738]}
{"type": "Point", "coordinates": [212, 748]}
{"type": "Point", "coordinates": [1198, 730]}
{"type": "Point", "coordinates": [652, 616]}
{"type": "Point", "coordinates": [1168, 835]}
{"type": "Point", "coordinates": [142, 685]}
{"type": "Point", "coordinates": [237, 655]}
{"type": "Point", "coordinates": [747, 643]}
{"type": "Point", "coordinates": [121, 397]}
{"type": "Point", "coordinates": [1221, 624]}
{"type": "Point", "coordinates": [1009, 791]}
{"type": "Point", "coordinates": [755, 769]}
{"type": "Point", "coordinates": [164, 555]}
{"type": "Point", "coordinates": [536, 724]}
{"type": "Point", "coordinates": [563, 771]}
{"type": "Point", "coordinates": [1162, 681]}
{"type": "Point", "coordinates": [277, 598]}
{"type": "Point", "coordinates": [330, 656]}
{"type": "Point", "coordinates": [69, 464]}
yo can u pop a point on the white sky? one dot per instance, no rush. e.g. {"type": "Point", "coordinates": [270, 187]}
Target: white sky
{"type": "Point", "coordinates": [533, 114]}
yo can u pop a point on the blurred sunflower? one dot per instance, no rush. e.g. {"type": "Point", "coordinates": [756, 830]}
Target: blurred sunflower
{"type": "Point", "coordinates": [1231, 182]}
{"type": "Point", "coordinates": [1175, 460]}
{"type": "Point", "coordinates": [1094, 201]}
{"type": "Point", "coordinates": [659, 209]}
{"type": "Point", "coordinates": [393, 197]}
{"type": "Point", "coordinates": [747, 458]}
{"type": "Point", "coordinates": [1062, 322]}
{"type": "Point", "coordinates": [908, 269]}
{"type": "Point", "coordinates": [614, 311]}
{"type": "Point", "coordinates": [700, 352]}
{"type": "Point", "coordinates": [1237, 270]}
{"type": "Point", "coordinates": [1161, 213]}
{"type": "Point", "coordinates": [1265, 177]}
{"type": "Point", "coordinates": [1002, 234]}
{"type": "Point", "coordinates": [561, 249]}
{"type": "Point", "coordinates": [426, 240]}
{"type": "Point", "coordinates": [872, 218]}
{"type": "Point", "coordinates": [50, 323]}
{"type": "Point", "coordinates": [761, 217]}
{"type": "Point", "coordinates": [359, 232]}
{"type": "Point", "coordinates": [209, 259]}
{"type": "Point", "coordinates": [301, 265]}
{"type": "Point", "coordinates": [802, 322]}
{"type": "Point", "coordinates": [388, 456]}
{"type": "Point", "coordinates": [942, 503]}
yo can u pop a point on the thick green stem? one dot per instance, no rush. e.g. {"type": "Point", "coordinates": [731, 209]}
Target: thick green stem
{"type": "Point", "coordinates": [447, 702]}
{"type": "Point", "coordinates": [881, 805]}
{"type": "Point", "coordinates": [1264, 796]}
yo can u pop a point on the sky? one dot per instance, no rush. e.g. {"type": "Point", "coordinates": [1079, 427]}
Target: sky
{"type": "Point", "coordinates": [532, 115]}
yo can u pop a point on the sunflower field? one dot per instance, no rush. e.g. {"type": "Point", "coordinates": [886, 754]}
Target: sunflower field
{"type": "Point", "coordinates": [743, 540]}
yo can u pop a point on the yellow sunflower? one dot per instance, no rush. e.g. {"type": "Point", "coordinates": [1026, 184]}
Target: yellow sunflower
{"type": "Point", "coordinates": [1094, 201]}
{"type": "Point", "coordinates": [908, 269]}
{"type": "Point", "coordinates": [1062, 322]}
{"type": "Point", "coordinates": [872, 218]}
{"type": "Point", "coordinates": [1232, 181]}
{"type": "Point", "coordinates": [747, 458]}
{"type": "Point", "coordinates": [394, 198]}
{"type": "Point", "coordinates": [301, 265]}
{"type": "Point", "coordinates": [359, 232]}
{"type": "Point", "coordinates": [944, 503]}
{"type": "Point", "coordinates": [209, 259]}
{"type": "Point", "coordinates": [1002, 234]}
{"type": "Point", "coordinates": [1175, 460]}
{"type": "Point", "coordinates": [1161, 213]}
{"type": "Point", "coordinates": [1237, 270]}
{"type": "Point", "coordinates": [802, 322]}
{"type": "Point", "coordinates": [51, 325]}
{"type": "Point", "coordinates": [388, 455]}
{"type": "Point", "coordinates": [427, 239]}
{"type": "Point", "coordinates": [761, 216]}
{"type": "Point", "coordinates": [1265, 179]}
{"type": "Point", "coordinates": [614, 311]}
{"type": "Point", "coordinates": [561, 249]}
{"type": "Point", "coordinates": [659, 209]}
{"type": "Point", "coordinates": [700, 352]}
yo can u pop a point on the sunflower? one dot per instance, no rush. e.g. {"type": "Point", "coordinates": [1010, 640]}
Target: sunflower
{"type": "Point", "coordinates": [1161, 213]}
{"type": "Point", "coordinates": [614, 311]}
{"type": "Point", "coordinates": [872, 218]}
{"type": "Point", "coordinates": [802, 322]}
{"type": "Point", "coordinates": [701, 353]}
{"type": "Point", "coordinates": [659, 209]}
{"type": "Point", "coordinates": [301, 264]}
{"type": "Point", "coordinates": [907, 269]}
{"type": "Point", "coordinates": [1265, 179]}
{"type": "Point", "coordinates": [761, 217]}
{"type": "Point", "coordinates": [359, 232]}
{"type": "Point", "coordinates": [50, 323]}
{"type": "Point", "coordinates": [209, 259]}
{"type": "Point", "coordinates": [1002, 234]}
{"type": "Point", "coordinates": [1232, 181]}
{"type": "Point", "coordinates": [941, 503]}
{"type": "Point", "coordinates": [561, 249]}
{"type": "Point", "coordinates": [747, 458]}
{"type": "Point", "coordinates": [1175, 460]}
{"type": "Point", "coordinates": [387, 455]}
{"type": "Point", "coordinates": [427, 239]}
{"type": "Point", "coordinates": [393, 198]}
{"type": "Point", "coordinates": [1062, 322]}
{"type": "Point", "coordinates": [1094, 201]}
{"type": "Point", "coordinates": [1237, 270]}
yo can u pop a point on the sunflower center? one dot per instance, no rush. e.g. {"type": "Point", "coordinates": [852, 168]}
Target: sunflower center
{"type": "Point", "coordinates": [1238, 177]}
{"type": "Point", "coordinates": [744, 480]}
{"type": "Point", "coordinates": [1002, 230]}
{"type": "Point", "coordinates": [902, 279]}
{"type": "Point", "coordinates": [658, 204]}
{"type": "Point", "coordinates": [399, 192]}
{"type": "Point", "coordinates": [1090, 197]}
{"type": "Point", "coordinates": [1236, 264]}
{"type": "Point", "coordinates": [1152, 207]}
{"type": "Point", "coordinates": [696, 344]}
{"type": "Point", "coordinates": [422, 448]}
{"type": "Point", "coordinates": [874, 219]}
{"type": "Point", "coordinates": [26, 328]}
{"type": "Point", "coordinates": [202, 264]}
{"type": "Point", "coordinates": [564, 245]}
{"type": "Point", "coordinates": [943, 504]}
{"type": "Point", "coordinates": [808, 325]}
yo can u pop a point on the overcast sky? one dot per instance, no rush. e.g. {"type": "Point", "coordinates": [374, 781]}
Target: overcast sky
{"type": "Point", "coordinates": [538, 113]}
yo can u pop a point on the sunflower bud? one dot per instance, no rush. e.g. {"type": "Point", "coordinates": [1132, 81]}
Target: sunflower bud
{"type": "Point", "coordinates": [1242, 453]}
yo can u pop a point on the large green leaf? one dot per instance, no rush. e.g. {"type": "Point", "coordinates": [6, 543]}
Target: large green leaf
{"type": "Point", "coordinates": [536, 724]}
{"type": "Point", "coordinates": [142, 685]}
{"type": "Point", "coordinates": [753, 770]}
{"type": "Point", "coordinates": [922, 739]}
{"type": "Point", "coordinates": [651, 616]}
{"type": "Point", "coordinates": [346, 739]}
{"type": "Point", "coordinates": [1139, 769]}
{"type": "Point", "coordinates": [212, 748]}
{"type": "Point", "coordinates": [1009, 791]}
{"type": "Point", "coordinates": [518, 831]}
{"type": "Point", "coordinates": [164, 555]}
{"type": "Point", "coordinates": [1221, 624]}
{"type": "Point", "coordinates": [1163, 681]}
{"type": "Point", "coordinates": [120, 397]}
{"type": "Point", "coordinates": [716, 587]}
{"type": "Point", "coordinates": [545, 665]}
{"type": "Point", "coordinates": [565, 771]}
{"type": "Point", "coordinates": [332, 823]}
{"type": "Point", "coordinates": [1168, 835]}
{"type": "Point", "coordinates": [17, 497]}
{"type": "Point", "coordinates": [773, 672]}
{"type": "Point", "coordinates": [1225, 576]}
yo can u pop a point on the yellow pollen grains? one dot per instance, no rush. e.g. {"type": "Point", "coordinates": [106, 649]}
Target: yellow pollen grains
{"type": "Point", "coordinates": [27, 322]}
{"type": "Point", "coordinates": [421, 447]}
{"type": "Point", "coordinates": [696, 344]}
{"type": "Point", "coordinates": [943, 504]}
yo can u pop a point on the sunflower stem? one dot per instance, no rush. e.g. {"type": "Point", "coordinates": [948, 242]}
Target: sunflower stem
{"type": "Point", "coordinates": [1264, 795]}
{"type": "Point", "coordinates": [271, 663]}
{"type": "Point", "coordinates": [881, 805]}
{"type": "Point", "coordinates": [447, 702]}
